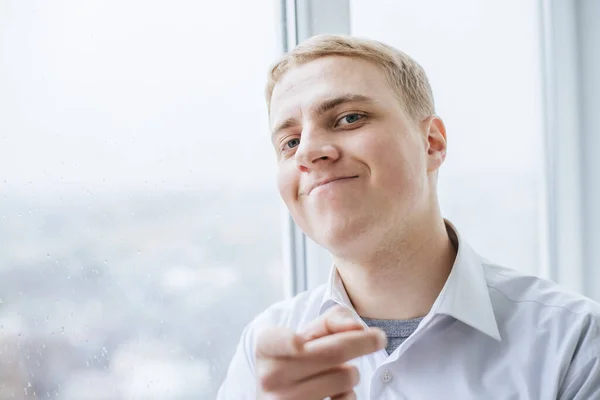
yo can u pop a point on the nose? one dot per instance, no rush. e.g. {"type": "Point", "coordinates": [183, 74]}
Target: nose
{"type": "Point", "coordinates": [316, 150]}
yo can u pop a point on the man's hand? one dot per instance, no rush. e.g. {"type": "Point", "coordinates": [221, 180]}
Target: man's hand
{"type": "Point", "coordinates": [310, 365]}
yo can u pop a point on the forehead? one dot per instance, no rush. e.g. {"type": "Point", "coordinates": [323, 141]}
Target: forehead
{"type": "Point", "coordinates": [307, 84]}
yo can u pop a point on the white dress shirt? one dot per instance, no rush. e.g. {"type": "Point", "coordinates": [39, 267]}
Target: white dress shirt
{"type": "Point", "coordinates": [492, 333]}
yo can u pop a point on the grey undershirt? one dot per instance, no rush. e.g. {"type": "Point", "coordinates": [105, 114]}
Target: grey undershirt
{"type": "Point", "coordinates": [397, 331]}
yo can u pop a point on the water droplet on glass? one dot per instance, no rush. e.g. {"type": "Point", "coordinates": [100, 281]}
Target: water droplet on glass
{"type": "Point", "coordinates": [62, 330]}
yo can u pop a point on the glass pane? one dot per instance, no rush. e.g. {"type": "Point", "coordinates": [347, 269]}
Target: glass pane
{"type": "Point", "coordinates": [483, 62]}
{"type": "Point", "coordinates": [139, 218]}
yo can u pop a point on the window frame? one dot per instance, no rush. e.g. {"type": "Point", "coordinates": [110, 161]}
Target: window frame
{"type": "Point", "coordinates": [588, 62]}
{"type": "Point", "coordinates": [564, 239]}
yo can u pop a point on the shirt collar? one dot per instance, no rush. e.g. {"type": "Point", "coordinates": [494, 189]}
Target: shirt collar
{"type": "Point", "coordinates": [465, 295]}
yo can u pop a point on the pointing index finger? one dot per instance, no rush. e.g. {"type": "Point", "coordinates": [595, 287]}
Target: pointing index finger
{"type": "Point", "coordinates": [336, 320]}
{"type": "Point", "coordinates": [345, 346]}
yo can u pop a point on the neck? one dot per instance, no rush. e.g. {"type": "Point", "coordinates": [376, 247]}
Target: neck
{"type": "Point", "coordinates": [401, 279]}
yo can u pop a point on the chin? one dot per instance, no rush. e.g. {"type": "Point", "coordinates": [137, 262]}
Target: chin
{"type": "Point", "coordinates": [338, 234]}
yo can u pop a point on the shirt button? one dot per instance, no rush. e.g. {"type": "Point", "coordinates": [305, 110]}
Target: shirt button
{"type": "Point", "coordinates": [386, 376]}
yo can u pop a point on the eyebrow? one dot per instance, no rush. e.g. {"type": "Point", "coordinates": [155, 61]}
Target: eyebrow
{"type": "Point", "coordinates": [322, 107]}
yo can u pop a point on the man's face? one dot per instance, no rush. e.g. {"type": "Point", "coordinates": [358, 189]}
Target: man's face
{"type": "Point", "coordinates": [352, 164]}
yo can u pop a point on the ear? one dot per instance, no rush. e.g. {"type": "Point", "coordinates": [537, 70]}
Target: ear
{"type": "Point", "coordinates": [435, 130]}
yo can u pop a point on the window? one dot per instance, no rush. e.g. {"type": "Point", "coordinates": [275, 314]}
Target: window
{"type": "Point", "coordinates": [487, 83]}
{"type": "Point", "coordinates": [140, 228]}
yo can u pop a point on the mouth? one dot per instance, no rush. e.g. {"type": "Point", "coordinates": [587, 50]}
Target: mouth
{"type": "Point", "coordinates": [328, 181]}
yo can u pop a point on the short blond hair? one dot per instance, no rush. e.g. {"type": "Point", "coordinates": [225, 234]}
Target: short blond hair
{"type": "Point", "coordinates": [406, 77]}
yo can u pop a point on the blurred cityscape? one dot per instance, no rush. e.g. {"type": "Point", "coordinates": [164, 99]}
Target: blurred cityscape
{"type": "Point", "coordinates": [131, 296]}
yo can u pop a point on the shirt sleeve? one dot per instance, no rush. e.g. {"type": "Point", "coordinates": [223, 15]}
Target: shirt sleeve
{"type": "Point", "coordinates": [584, 384]}
{"type": "Point", "coordinates": [240, 381]}
{"type": "Point", "coordinates": [582, 381]}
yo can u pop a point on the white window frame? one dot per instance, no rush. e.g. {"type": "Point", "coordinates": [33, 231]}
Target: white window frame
{"type": "Point", "coordinates": [564, 228]}
{"type": "Point", "coordinates": [571, 44]}
{"type": "Point", "coordinates": [588, 44]}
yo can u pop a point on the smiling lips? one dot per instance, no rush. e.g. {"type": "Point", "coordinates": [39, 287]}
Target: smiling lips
{"type": "Point", "coordinates": [329, 180]}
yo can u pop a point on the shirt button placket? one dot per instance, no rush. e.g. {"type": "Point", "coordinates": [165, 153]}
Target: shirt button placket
{"type": "Point", "coordinates": [386, 376]}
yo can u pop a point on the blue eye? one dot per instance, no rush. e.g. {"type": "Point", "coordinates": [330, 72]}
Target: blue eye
{"type": "Point", "coordinates": [292, 143]}
{"type": "Point", "coordinates": [350, 119]}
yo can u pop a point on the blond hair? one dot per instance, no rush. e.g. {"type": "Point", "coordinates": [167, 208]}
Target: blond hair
{"type": "Point", "coordinates": [406, 77]}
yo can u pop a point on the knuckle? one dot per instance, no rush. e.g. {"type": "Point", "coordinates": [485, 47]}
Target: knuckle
{"type": "Point", "coordinates": [267, 378]}
{"type": "Point", "coordinates": [260, 345]}
{"type": "Point", "coordinates": [261, 334]}
{"type": "Point", "coordinates": [264, 335]}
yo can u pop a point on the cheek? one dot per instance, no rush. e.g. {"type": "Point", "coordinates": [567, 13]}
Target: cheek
{"type": "Point", "coordinates": [287, 183]}
{"type": "Point", "coordinates": [398, 160]}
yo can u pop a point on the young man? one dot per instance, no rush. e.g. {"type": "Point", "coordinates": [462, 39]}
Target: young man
{"type": "Point", "coordinates": [410, 310]}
